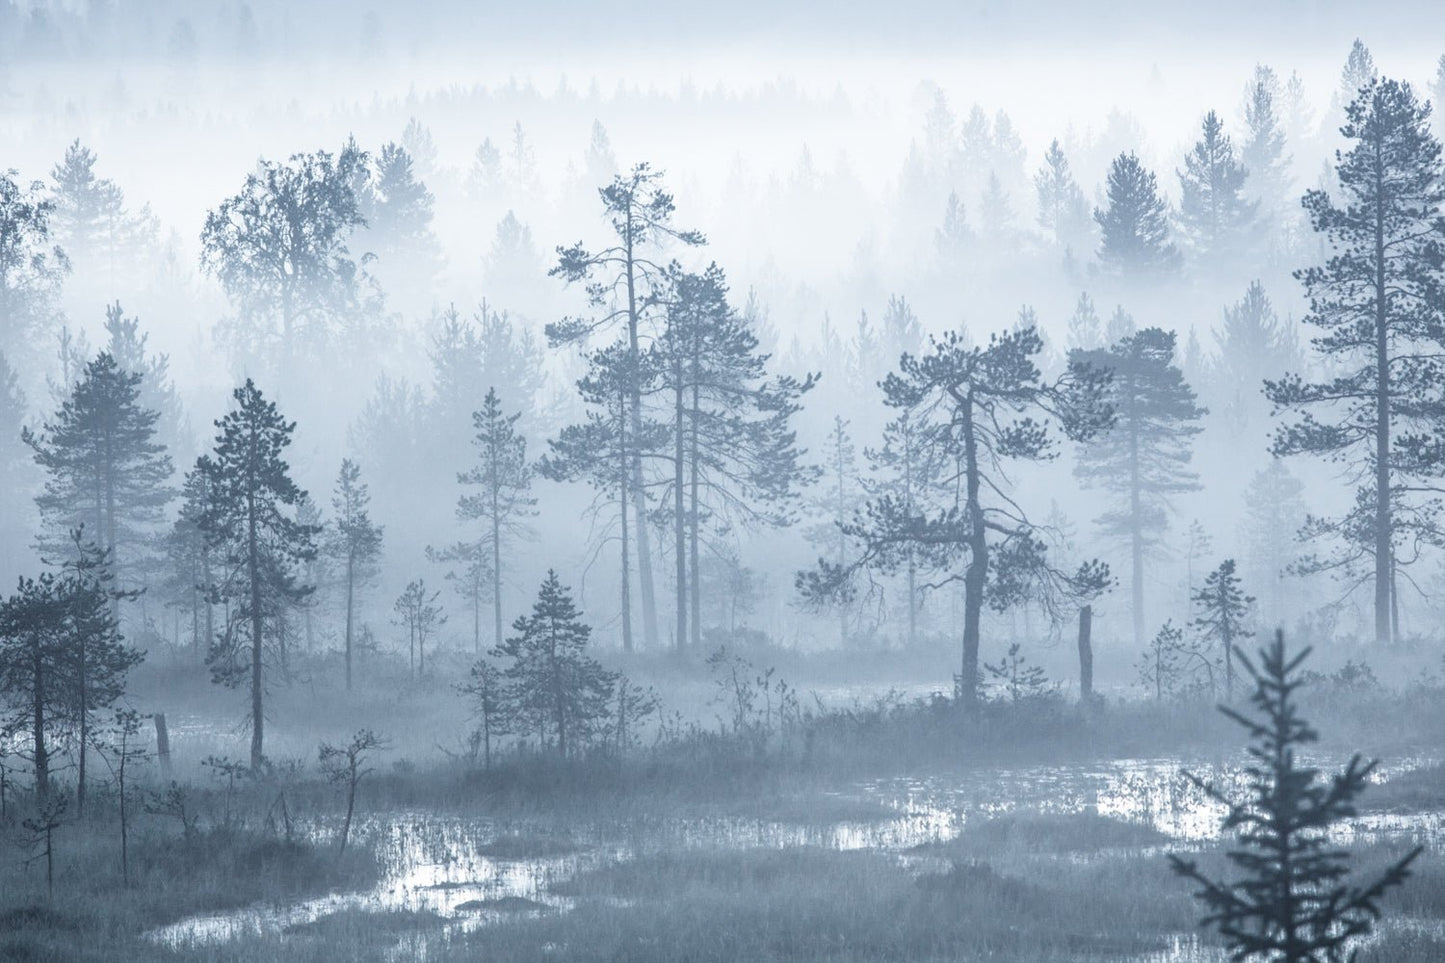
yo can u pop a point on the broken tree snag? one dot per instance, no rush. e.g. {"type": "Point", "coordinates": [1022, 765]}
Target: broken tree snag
{"type": "Point", "coordinates": [163, 745]}
{"type": "Point", "coordinates": [1086, 654]}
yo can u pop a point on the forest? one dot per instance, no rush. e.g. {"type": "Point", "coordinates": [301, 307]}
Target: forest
{"type": "Point", "coordinates": [710, 485]}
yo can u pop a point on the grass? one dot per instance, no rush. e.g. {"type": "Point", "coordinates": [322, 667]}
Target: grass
{"type": "Point", "coordinates": [816, 904]}
{"type": "Point", "coordinates": [95, 912]}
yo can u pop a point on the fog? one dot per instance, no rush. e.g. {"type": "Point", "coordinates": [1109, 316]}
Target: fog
{"type": "Point", "coordinates": [869, 216]}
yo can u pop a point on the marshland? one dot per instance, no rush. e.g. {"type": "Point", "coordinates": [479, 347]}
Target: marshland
{"type": "Point", "coordinates": [734, 482]}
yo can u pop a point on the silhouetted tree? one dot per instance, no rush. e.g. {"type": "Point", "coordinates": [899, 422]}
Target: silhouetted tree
{"type": "Point", "coordinates": [32, 266]}
{"type": "Point", "coordinates": [557, 691]}
{"type": "Point", "coordinates": [417, 611]}
{"type": "Point", "coordinates": [504, 477]}
{"type": "Point", "coordinates": [279, 249]}
{"type": "Point", "coordinates": [1215, 217]}
{"type": "Point", "coordinates": [627, 280]}
{"type": "Point", "coordinates": [354, 542]}
{"type": "Point", "coordinates": [1293, 900]}
{"type": "Point", "coordinates": [104, 467]}
{"type": "Point", "coordinates": [1135, 226]}
{"type": "Point", "coordinates": [1143, 460]}
{"type": "Point", "coordinates": [991, 403]}
{"type": "Point", "coordinates": [346, 766]}
{"type": "Point", "coordinates": [1223, 612]}
{"type": "Point", "coordinates": [1378, 300]}
{"type": "Point", "coordinates": [251, 520]}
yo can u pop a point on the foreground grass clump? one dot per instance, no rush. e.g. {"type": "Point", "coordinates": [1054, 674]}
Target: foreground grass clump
{"type": "Point", "coordinates": [815, 904]}
{"type": "Point", "coordinates": [95, 915]}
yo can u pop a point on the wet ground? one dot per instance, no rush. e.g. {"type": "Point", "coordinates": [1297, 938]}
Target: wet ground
{"type": "Point", "coordinates": [472, 871]}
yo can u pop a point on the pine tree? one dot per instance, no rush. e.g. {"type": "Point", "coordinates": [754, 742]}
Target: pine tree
{"type": "Point", "coordinates": [1135, 226]}
{"type": "Point", "coordinates": [92, 224]}
{"type": "Point", "coordinates": [129, 346]}
{"type": "Point", "coordinates": [418, 612]}
{"type": "Point", "coordinates": [1063, 211]}
{"type": "Point", "coordinates": [733, 453]}
{"type": "Point", "coordinates": [557, 692]}
{"type": "Point", "coordinates": [1215, 218]}
{"type": "Point", "coordinates": [354, 542]}
{"type": "Point", "coordinates": [953, 238]}
{"type": "Point", "coordinates": [250, 519]}
{"type": "Point", "coordinates": [839, 498]}
{"type": "Point", "coordinates": [1262, 151]}
{"type": "Point", "coordinates": [15, 462]}
{"type": "Point", "coordinates": [1274, 512]}
{"type": "Point", "coordinates": [93, 658]}
{"type": "Point", "coordinates": [190, 557]}
{"type": "Point", "coordinates": [504, 477]}
{"type": "Point", "coordinates": [907, 467]}
{"type": "Point", "coordinates": [1294, 900]}
{"type": "Point", "coordinates": [32, 267]}
{"type": "Point", "coordinates": [640, 212]}
{"type": "Point", "coordinates": [991, 403]}
{"type": "Point", "coordinates": [104, 468]}
{"type": "Point", "coordinates": [1223, 613]}
{"type": "Point", "coordinates": [1253, 345]}
{"type": "Point", "coordinates": [31, 669]}
{"type": "Point", "coordinates": [397, 210]}
{"type": "Point", "coordinates": [1143, 460]}
{"type": "Point", "coordinates": [1085, 330]}
{"type": "Point", "coordinates": [1378, 302]}
{"type": "Point", "coordinates": [603, 450]}
{"type": "Point", "coordinates": [1162, 664]}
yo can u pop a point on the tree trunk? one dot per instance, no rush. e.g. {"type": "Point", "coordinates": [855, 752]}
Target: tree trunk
{"type": "Point", "coordinates": [163, 745]}
{"type": "Point", "coordinates": [496, 559]}
{"type": "Point", "coordinates": [40, 752]}
{"type": "Point", "coordinates": [1086, 654]}
{"type": "Point", "coordinates": [679, 520]}
{"type": "Point", "coordinates": [975, 575]}
{"type": "Point", "coordinates": [1383, 522]}
{"type": "Point", "coordinates": [258, 720]}
{"type": "Point", "coordinates": [639, 495]}
{"type": "Point", "coordinates": [350, 601]}
{"type": "Point", "coordinates": [1136, 529]}
{"type": "Point", "coordinates": [622, 476]}
{"type": "Point", "coordinates": [693, 522]}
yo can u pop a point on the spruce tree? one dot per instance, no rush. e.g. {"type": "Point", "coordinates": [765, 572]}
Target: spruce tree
{"type": "Point", "coordinates": [251, 520]}
{"type": "Point", "coordinates": [1378, 302]}
{"type": "Point", "coordinates": [556, 691]}
{"type": "Point", "coordinates": [105, 469]}
{"type": "Point", "coordinates": [1143, 460]}
{"type": "Point", "coordinates": [1215, 218]}
{"type": "Point", "coordinates": [1293, 900]}
{"type": "Point", "coordinates": [1135, 225]}
{"type": "Point", "coordinates": [354, 542]}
